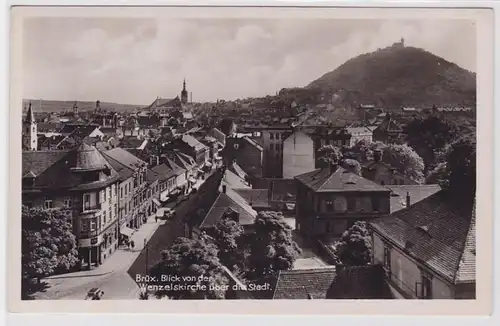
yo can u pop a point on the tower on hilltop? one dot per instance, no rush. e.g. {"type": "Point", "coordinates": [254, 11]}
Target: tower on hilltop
{"type": "Point", "coordinates": [184, 93]}
{"type": "Point", "coordinates": [30, 134]}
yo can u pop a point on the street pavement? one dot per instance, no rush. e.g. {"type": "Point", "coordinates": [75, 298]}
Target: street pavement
{"type": "Point", "coordinates": [115, 275]}
{"type": "Point", "coordinates": [111, 276]}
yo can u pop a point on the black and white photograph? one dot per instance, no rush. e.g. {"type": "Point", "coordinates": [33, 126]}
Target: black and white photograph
{"type": "Point", "coordinates": [247, 158]}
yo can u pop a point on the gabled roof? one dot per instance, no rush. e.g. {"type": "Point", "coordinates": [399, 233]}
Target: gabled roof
{"type": "Point", "coordinates": [284, 190]}
{"type": "Point", "coordinates": [231, 199]}
{"type": "Point", "coordinates": [193, 142]}
{"type": "Point", "coordinates": [389, 125]}
{"type": "Point", "coordinates": [125, 158]}
{"type": "Point", "coordinates": [37, 162]}
{"type": "Point", "coordinates": [434, 232]}
{"type": "Point", "coordinates": [234, 181]}
{"type": "Point", "coordinates": [253, 143]}
{"type": "Point", "coordinates": [304, 283]}
{"type": "Point", "coordinates": [322, 180]}
{"type": "Point", "coordinates": [88, 158]}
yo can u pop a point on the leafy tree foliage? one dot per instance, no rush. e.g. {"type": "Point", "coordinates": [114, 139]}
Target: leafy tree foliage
{"type": "Point", "coordinates": [354, 248]}
{"type": "Point", "coordinates": [48, 244]}
{"type": "Point", "coordinates": [352, 165]}
{"type": "Point", "coordinates": [429, 136]}
{"type": "Point", "coordinates": [328, 155]}
{"type": "Point", "coordinates": [227, 233]}
{"type": "Point", "coordinates": [405, 160]}
{"type": "Point", "coordinates": [461, 168]}
{"type": "Point", "coordinates": [196, 263]}
{"type": "Point", "coordinates": [272, 247]}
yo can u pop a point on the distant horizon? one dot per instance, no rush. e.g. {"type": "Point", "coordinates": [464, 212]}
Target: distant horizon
{"type": "Point", "coordinates": [136, 60]}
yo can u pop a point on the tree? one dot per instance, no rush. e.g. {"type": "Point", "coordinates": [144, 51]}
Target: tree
{"type": "Point", "coordinates": [193, 271]}
{"type": "Point", "coordinates": [226, 234]}
{"type": "Point", "coordinates": [405, 160]}
{"type": "Point", "coordinates": [439, 175]}
{"type": "Point", "coordinates": [272, 247]}
{"type": "Point", "coordinates": [430, 135]}
{"type": "Point", "coordinates": [461, 169]}
{"type": "Point", "coordinates": [354, 248]}
{"type": "Point", "coordinates": [328, 155]}
{"type": "Point", "coordinates": [363, 150]}
{"type": "Point", "coordinates": [352, 165]}
{"type": "Point", "coordinates": [48, 244]}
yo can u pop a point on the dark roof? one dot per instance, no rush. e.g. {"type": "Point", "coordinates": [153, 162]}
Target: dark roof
{"type": "Point", "coordinates": [39, 161]}
{"type": "Point", "coordinates": [172, 165]}
{"type": "Point", "coordinates": [88, 158]}
{"type": "Point", "coordinates": [284, 190]}
{"type": "Point", "coordinates": [193, 142]}
{"type": "Point", "coordinates": [257, 198]}
{"type": "Point", "coordinates": [434, 231]}
{"type": "Point", "coordinates": [416, 192]}
{"type": "Point", "coordinates": [164, 172]}
{"type": "Point", "coordinates": [152, 176]}
{"type": "Point", "coordinates": [304, 283]}
{"type": "Point", "coordinates": [125, 158]}
{"type": "Point", "coordinates": [262, 183]}
{"type": "Point", "coordinates": [360, 282]}
{"type": "Point", "coordinates": [130, 142]}
{"type": "Point", "coordinates": [30, 118]}
{"type": "Point", "coordinates": [231, 199]}
{"type": "Point", "coordinates": [322, 180]}
{"type": "Point", "coordinates": [389, 125]}
{"type": "Point", "coordinates": [149, 122]}
{"type": "Point", "coordinates": [46, 126]}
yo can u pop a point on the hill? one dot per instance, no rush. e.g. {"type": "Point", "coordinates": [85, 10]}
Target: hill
{"type": "Point", "coordinates": [60, 106]}
{"type": "Point", "coordinates": [393, 77]}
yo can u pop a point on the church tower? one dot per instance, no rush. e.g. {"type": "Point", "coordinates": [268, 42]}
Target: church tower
{"type": "Point", "coordinates": [184, 93]}
{"type": "Point", "coordinates": [30, 135]}
{"type": "Point", "coordinates": [75, 109]}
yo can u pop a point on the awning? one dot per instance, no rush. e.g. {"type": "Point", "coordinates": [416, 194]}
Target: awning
{"type": "Point", "coordinates": [290, 206]}
{"type": "Point", "coordinates": [127, 231]}
{"type": "Point", "coordinates": [156, 202]}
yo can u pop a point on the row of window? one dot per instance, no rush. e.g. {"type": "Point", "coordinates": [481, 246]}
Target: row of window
{"type": "Point", "coordinates": [277, 147]}
{"type": "Point", "coordinates": [276, 136]}
{"type": "Point", "coordinates": [352, 204]}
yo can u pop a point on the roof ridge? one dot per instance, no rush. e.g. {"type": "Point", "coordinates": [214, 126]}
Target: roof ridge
{"type": "Point", "coordinates": [472, 223]}
{"type": "Point", "coordinates": [211, 207]}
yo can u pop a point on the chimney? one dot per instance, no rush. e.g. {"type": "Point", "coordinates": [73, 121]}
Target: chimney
{"type": "Point", "coordinates": [377, 155]}
{"type": "Point", "coordinates": [408, 199]}
{"type": "Point", "coordinates": [223, 189]}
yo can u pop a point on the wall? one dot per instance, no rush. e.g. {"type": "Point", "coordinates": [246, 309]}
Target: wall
{"type": "Point", "coordinates": [273, 154]}
{"type": "Point", "coordinates": [298, 155]}
{"type": "Point", "coordinates": [125, 201]}
{"type": "Point", "coordinates": [405, 272]}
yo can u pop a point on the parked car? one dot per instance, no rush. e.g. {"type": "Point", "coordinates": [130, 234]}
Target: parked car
{"type": "Point", "coordinates": [94, 294]}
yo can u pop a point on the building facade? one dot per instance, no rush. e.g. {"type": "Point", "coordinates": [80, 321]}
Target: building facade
{"type": "Point", "coordinates": [298, 155]}
{"type": "Point", "coordinates": [246, 153]}
{"type": "Point", "coordinates": [330, 200]}
{"type": "Point", "coordinates": [84, 183]}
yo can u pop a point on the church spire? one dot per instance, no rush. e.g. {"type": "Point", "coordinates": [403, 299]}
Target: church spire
{"type": "Point", "coordinates": [184, 85]}
{"type": "Point", "coordinates": [184, 93]}
{"type": "Point", "coordinates": [30, 117]}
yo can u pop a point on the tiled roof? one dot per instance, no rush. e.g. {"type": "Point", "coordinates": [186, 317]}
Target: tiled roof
{"type": "Point", "coordinates": [130, 142]}
{"type": "Point", "coordinates": [230, 199]}
{"type": "Point", "coordinates": [389, 125]}
{"type": "Point", "coordinates": [304, 283]}
{"type": "Point", "coordinates": [416, 192]}
{"type": "Point", "coordinates": [255, 197]}
{"type": "Point", "coordinates": [360, 282]}
{"type": "Point", "coordinates": [125, 158]}
{"type": "Point", "coordinates": [88, 158]}
{"type": "Point", "coordinates": [321, 180]}
{"type": "Point", "coordinates": [467, 266]}
{"type": "Point", "coordinates": [284, 190]}
{"type": "Point", "coordinates": [152, 176]}
{"type": "Point", "coordinates": [39, 161]}
{"type": "Point", "coordinates": [164, 172]}
{"type": "Point", "coordinates": [433, 231]}
{"type": "Point", "coordinates": [234, 181]}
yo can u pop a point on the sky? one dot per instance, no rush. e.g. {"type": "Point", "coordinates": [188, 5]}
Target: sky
{"type": "Point", "coordinates": [136, 60]}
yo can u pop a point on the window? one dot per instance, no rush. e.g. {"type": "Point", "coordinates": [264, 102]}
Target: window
{"type": "Point", "coordinates": [104, 217]}
{"type": "Point", "coordinates": [126, 189]}
{"type": "Point", "coordinates": [109, 194]}
{"type": "Point", "coordinates": [271, 147]}
{"type": "Point", "coordinates": [67, 202]}
{"type": "Point", "coordinates": [93, 224]}
{"type": "Point", "coordinates": [129, 206]}
{"type": "Point", "coordinates": [423, 289]}
{"type": "Point", "coordinates": [351, 203]}
{"type": "Point", "coordinates": [47, 203]}
{"type": "Point", "coordinates": [110, 212]}
{"type": "Point", "coordinates": [426, 287]}
{"type": "Point", "coordinates": [387, 259]}
{"type": "Point", "coordinates": [329, 205]}
{"type": "Point", "coordinates": [282, 136]}
{"type": "Point", "coordinates": [115, 189]}
{"type": "Point", "coordinates": [382, 182]}
{"type": "Point", "coordinates": [121, 192]}
{"type": "Point", "coordinates": [115, 209]}
{"type": "Point", "coordinates": [375, 204]}
{"type": "Point", "coordinates": [86, 201]}
{"type": "Point", "coordinates": [271, 135]}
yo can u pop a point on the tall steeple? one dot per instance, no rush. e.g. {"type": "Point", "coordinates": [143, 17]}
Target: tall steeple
{"type": "Point", "coordinates": [75, 108]}
{"type": "Point", "coordinates": [184, 93]}
{"type": "Point", "coordinates": [30, 133]}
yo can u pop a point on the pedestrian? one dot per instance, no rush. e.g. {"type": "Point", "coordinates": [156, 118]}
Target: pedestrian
{"type": "Point", "coordinates": [132, 244]}
{"type": "Point", "coordinates": [156, 218]}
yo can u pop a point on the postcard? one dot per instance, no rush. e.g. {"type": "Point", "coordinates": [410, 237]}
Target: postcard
{"type": "Point", "coordinates": [250, 160]}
